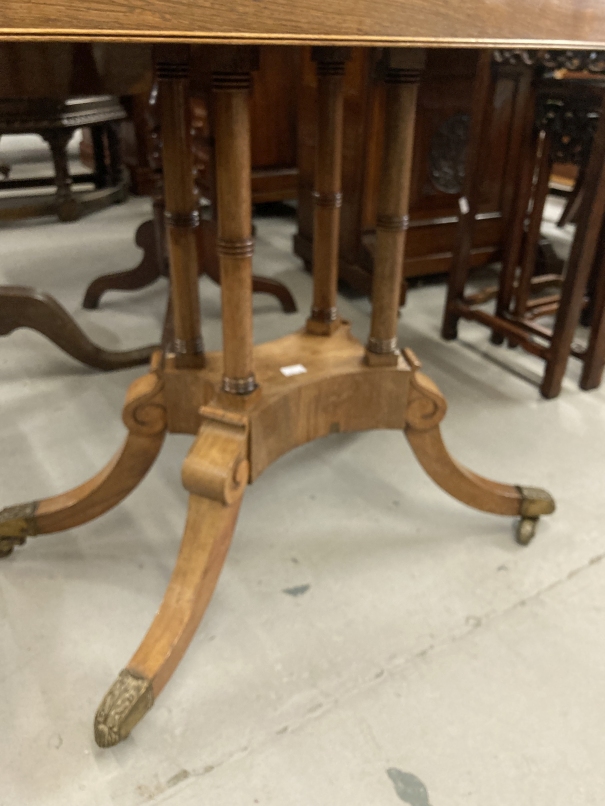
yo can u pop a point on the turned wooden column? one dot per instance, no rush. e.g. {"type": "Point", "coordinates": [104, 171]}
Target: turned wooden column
{"type": "Point", "coordinates": [231, 79]}
{"type": "Point", "coordinates": [401, 74]}
{"type": "Point", "coordinates": [181, 213]}
{"type": "Point", "coordinates": [327, 195]}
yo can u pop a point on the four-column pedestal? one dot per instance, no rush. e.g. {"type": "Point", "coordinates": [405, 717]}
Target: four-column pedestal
{"type": "Point", "coordinates": [244, 412]}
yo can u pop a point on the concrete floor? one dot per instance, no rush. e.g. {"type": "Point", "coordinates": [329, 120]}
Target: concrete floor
{"type": "Point", "coordinates": [426, 658]}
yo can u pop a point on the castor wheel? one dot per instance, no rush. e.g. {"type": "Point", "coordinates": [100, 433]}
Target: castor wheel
{"type": "Point", "coordinates": [526, 529]}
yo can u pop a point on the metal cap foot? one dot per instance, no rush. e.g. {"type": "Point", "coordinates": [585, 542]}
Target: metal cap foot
{"type": "Point", "coordinates": [534, 503]}
{"type": "Point", "coordinates": [125, 704]}
{"type": "Point", "coordinates": [16, 524]}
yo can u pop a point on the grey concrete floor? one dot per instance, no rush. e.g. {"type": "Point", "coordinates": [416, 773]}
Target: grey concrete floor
{"type": "Point", "coordinates": [427, 658]}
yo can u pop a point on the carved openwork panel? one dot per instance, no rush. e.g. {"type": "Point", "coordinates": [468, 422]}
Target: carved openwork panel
{"type": "Point", "coordinates": [448, 152]}
{"type": "Point", "coordinates": [592, 61]}
{"type": "Point", "coordinates": [571, 124]}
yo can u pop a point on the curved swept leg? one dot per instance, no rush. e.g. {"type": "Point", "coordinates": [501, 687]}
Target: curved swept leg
{"type": "Point", "coordinates": [25, 307]}
{"type": "Point", "coordinates": [145, 417]}
{"type": "Point", "coordinates": [215, 473]}
{"type": "Point", "coordinates": [426, 409]}
{"type": "Point", "coordinates": [146, 273]}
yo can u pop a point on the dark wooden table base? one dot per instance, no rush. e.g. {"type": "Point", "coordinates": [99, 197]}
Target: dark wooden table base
{"type": "Point", "coordinates": [27, 307]}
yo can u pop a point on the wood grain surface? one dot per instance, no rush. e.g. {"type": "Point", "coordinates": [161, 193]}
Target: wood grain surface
{"type": "Point", "coordinates": [472, 23]}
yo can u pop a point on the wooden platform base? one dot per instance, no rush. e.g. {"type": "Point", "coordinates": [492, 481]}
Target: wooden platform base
{"type": "Point", "coordinates": [308, 386]}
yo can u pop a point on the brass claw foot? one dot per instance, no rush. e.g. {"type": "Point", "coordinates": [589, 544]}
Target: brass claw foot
{"type": "Point", "coordinates": [17, 523]}
{"type": "Point", "coordinates": [125, 704]}
{"type": "Point", "coordinates": [534, 503]}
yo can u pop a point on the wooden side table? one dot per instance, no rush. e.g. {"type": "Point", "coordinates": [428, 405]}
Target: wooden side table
{"type": "Point", "coordinates": [249, 405]}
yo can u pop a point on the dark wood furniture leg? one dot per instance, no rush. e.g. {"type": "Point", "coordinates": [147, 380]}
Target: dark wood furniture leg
{"type": "Point", "coordinates": [574, 202]}
{"type": "Point", "coordinates": [580, 262]}
{"type": "Point", "coordinates": [68, 208]}
{"type": "Point", "coordinates": [523, 286]}
{"type": "Point", "coordinates": [594, 357]}
{"type": "Point", "coordinates": [146, 273]}
{"type": "Point", "coordinates": [461, 259]}
{"type": "Point", "coordinates": [98, 149]}
{"type": "Point", "coordinates": [26, 307]}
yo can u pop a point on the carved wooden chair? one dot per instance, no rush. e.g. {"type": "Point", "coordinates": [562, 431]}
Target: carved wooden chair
{"type": "Point", "coordinates": [564, 121]}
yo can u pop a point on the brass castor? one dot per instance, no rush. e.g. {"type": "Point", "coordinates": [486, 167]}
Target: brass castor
{"type": "Point", "coordinates": [526, 529]}
{"type": "Point", "coordinates": [534, 503]}
{"type": "Point", "coordinates": [17, 523]}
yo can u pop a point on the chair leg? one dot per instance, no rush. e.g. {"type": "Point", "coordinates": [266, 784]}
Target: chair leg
{"type": "Point", "coordinates": [68, 206]}
{"type": "Point", "coordinates": [426, 409]}
{"type": "Point", "coordinates": [594, 360]}
{"type": "Point", "coordinates": [480, 110]}
{"type": "Point", "coordinates": [26, 307]}
{"type": "Point", "coordinates": [146, 273]}
{"type": "Point", "coordinates": [145, 417]}
{"type": "Point", "coordinates": [215, 473]}
{"type": "Point", "coordinates": [581, 260]}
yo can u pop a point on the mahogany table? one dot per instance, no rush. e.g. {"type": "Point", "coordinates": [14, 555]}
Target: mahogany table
{"type": "Point", "coordinates": [249, 405]}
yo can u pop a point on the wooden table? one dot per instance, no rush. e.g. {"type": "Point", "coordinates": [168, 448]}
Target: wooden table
{"type": "Point", "coordinates": [247, 406]}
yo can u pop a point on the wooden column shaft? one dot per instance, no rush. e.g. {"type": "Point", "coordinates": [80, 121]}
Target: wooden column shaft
{"type": "Point", "coordinates": [402, 75]}
{"type": "Point", "coordinates": [327, 194]}
{"type": "Point", "coordinates": [182, 214]}
{"type": "Point", "coordinates": [234, 242]}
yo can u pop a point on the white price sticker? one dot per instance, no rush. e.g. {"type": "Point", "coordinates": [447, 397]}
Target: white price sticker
{"type": "Point", "coordinates": [293, 369]}
{"type": "Point", "coordinates": [463, 204]}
